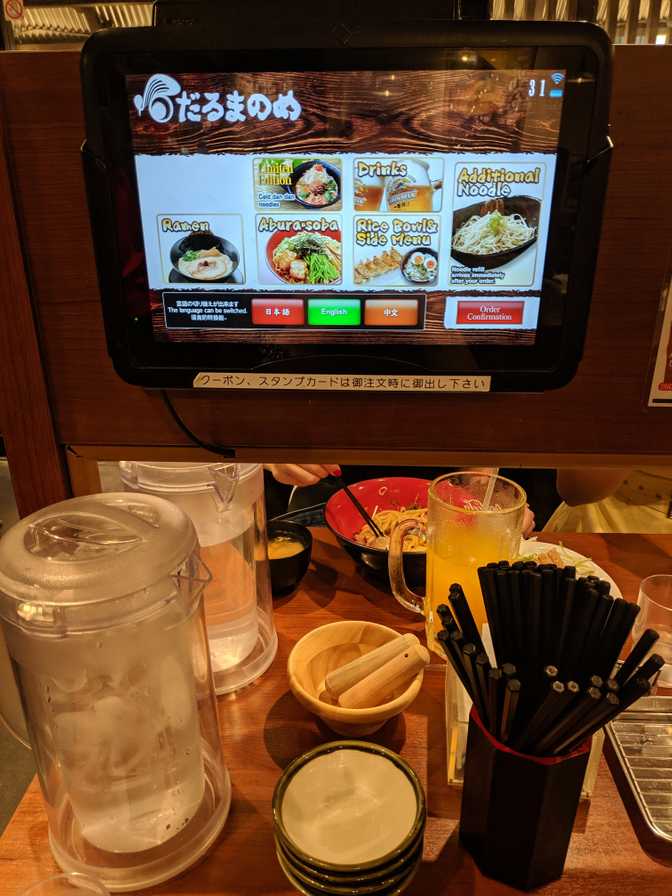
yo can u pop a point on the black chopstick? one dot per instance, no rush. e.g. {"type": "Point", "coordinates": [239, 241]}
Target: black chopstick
{"type": "Point", "coordinates": [555, 702]}
{"type": "Point", "coordinates": [636, 655]}
{"type": "Point", "coordinates": [505, 618]}
{"type": "Point", "coordinates": [509, 709]}
{"type": "Point", "coordinates": [486, 576]}
{"type": "Point", "coordinates": [607, 708]}
{"type": "Point", "coordinates": [464, 617]}
{"type": "Point", "coordinates": [613, 650]}
{"type": "Point", "coordinates": [651, 667]}
{"type": "Point", "coordinates": [516, 614]}
{"type": "Point", "coordinates": [547, 608]}
{"type": "Point", "coordinates": [495, 685]}
{"type": "Point", "coordinates": [469, 658]}
{"type": "Point", "coordinates": [556, 640]}
{"type": "Point", "coordinates": [362, 512]}
{"type": "Point", "coordinates": [453, 650]}
{"type": "Point", "coordinates": [569, 589]}
{"type": "Point", "coordinates": [482, 671]}
{"type": "Point", "coordinates": [600, 615]}
{"type": "Point", "coordinates": [584, 607]}
{"type": "Point", "coordinates": [568, 721]}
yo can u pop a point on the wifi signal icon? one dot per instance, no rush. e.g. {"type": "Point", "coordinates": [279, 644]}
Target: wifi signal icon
{"type": "Point", "coordinates": [557, 77]}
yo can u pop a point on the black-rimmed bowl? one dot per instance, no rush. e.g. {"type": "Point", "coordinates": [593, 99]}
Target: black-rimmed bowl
{"type": "Point", "coordinates": [301, 169]}
{"type": "Point", "coordinates": [427, 250]}
{"type": "Point", "coordinates": [526, 206]}
{"type": "Point", "coordinates": [203, 240]}
{"type": "Point", "coordinates": [287, 572]}
{"type": "Point", "coordinates": [362, 871]}
{"type": "Point", "coordinates": [311, 887]}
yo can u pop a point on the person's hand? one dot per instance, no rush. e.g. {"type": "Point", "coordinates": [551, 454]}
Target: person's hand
{"type": "Point", "coordinates": [302, 474]}
{"type": "Point", "coordinates": [528, 522]}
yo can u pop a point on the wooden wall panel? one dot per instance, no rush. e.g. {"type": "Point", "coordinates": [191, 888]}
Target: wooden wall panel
{"type": "Point", "coordinates": [35, 458]}
{"type": "Point", "coordinates": [601, 416]}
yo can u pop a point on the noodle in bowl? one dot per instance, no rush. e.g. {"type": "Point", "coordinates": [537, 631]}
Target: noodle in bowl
{"type": "Point", "coordinates": [390, 498]}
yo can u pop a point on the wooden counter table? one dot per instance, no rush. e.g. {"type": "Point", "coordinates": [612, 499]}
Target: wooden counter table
{"type": "Point", "coordinates": [263, 728]}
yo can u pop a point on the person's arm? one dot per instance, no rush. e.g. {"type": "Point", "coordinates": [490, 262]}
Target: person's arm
{"type": "Point", "coordinates": [302, 474]}
{"type": "Point", "coordinates": [588, 485]}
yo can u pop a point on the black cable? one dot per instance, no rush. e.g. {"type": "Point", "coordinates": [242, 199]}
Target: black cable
{"type": "Point", "coordinates": [222, 450]}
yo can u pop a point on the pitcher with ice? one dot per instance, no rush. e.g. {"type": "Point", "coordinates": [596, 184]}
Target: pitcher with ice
{"type": "Point", "coordinates": [102, 614]}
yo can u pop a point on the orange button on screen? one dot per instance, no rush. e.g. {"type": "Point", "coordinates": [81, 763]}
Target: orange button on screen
{"type": "Point", "coordinates": [391, 313]}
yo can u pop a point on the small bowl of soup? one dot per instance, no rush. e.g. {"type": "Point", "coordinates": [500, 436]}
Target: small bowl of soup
{"type": "Point", "coordinates": [289, 549]}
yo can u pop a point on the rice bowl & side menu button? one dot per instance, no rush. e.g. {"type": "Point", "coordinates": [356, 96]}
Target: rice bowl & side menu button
{"type": "Point", "coordinates": [334, 312]}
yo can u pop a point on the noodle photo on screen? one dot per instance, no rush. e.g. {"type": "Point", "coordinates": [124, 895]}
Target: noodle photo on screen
{"type": "Point", "coordinates": [497, 224]}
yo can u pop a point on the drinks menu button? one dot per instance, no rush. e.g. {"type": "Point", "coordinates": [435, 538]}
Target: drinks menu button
{"type": "Point", "coordinates": [278, 312]}
{"type": "Point", "coordinates": [391, 313]}
{"type": "Point", "coordinates": [334, 312]}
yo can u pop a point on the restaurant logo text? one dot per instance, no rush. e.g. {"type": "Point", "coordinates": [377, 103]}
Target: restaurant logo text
{"type": "Point", "coordinates": [164, 100]}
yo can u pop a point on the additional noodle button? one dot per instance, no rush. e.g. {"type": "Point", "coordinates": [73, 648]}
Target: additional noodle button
{"type": "Point", "coordinates": [278, 312]}
{"type": "Point", "coordinates": [334, 312]}
{"type": "Point", "coordinates": [391, 313]}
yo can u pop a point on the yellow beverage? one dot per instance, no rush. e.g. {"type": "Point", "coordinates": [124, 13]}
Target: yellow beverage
{"type": "Point", "coordinates": [474, 518]}
{"type": "Point", "coordinates": [456, 557]}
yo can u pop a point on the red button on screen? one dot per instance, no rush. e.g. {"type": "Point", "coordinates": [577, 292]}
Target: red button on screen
{"type": "Point", "coordinates": [486, 313]}
{"type": "Point", "coordinates": [278, 312]}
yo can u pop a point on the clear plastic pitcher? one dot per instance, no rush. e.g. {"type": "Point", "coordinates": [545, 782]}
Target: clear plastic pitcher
{"type": "Point", "coordinates": [102, 611]}
{"type": "Point", "coordinates": [226, 504]}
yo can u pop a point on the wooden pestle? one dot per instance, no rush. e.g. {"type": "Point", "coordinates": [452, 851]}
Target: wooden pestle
{"type": "Point", "coordinates": [376, 687]}
{"type": "Point", "coordinates": [340, 680]}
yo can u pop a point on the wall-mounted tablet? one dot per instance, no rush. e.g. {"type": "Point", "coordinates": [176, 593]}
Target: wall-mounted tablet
{"type": "Point", "coordinates": [424, 201]}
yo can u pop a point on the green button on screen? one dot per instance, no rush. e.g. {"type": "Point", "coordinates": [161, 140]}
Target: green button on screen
{"type": "Point", "coordinates": [334, 312]}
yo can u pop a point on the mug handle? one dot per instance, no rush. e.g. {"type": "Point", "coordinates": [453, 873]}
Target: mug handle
{"type": "Point", "coordinates": [395, 565]}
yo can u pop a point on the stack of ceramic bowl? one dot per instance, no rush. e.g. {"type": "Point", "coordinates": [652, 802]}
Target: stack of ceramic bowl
{"type": "Point", "coordinates": [349, 820]}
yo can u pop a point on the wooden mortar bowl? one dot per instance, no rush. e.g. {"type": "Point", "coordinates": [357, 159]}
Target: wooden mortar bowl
{"type": "Point", "coordinates": [329, 647]}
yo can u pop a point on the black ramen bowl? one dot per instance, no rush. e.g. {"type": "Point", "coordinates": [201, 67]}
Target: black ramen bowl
{"type": "Point", "coordinates": [203, 240]}
{"type": "Point", "coordinates": [287, 572]}
{"type": "Point", "coordinates": [427, 251]}
{"type": "Point", "coordinates": [386, 493]}
{"type": "Point", "coordinates": [301, 169]}
{"type": "Point", "coordinates": [525, 206]}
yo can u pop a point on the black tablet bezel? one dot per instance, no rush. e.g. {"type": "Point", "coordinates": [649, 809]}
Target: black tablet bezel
{"type": "Point", "coordinates": [582, 50]}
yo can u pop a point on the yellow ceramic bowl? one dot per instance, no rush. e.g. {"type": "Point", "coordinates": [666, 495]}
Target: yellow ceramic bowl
{"type": "Point", "coordinates": [329, 647]}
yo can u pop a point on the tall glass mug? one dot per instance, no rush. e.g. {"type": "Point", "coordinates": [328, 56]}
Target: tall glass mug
{"type": "Point", "coordinates": [465, 530]}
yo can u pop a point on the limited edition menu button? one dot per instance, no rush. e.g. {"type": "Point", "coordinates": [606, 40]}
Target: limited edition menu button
{"type": "Point", "coordinates": [334, 312]}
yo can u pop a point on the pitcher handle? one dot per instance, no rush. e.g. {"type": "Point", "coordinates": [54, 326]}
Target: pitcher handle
{"type": "Point", "coordinates": [7, 691]}
{"type": "Point", "coordinates": [225, 479]}
{"type": "Point", "coordinates": [395, 564]}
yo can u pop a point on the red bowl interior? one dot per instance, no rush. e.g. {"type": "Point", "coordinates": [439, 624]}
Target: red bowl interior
{"type": "Point", "coordinates": [389, 493]}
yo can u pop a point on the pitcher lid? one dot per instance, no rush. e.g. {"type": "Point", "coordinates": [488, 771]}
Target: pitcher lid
{"type": "Point", "coordinates": [93, 549]}
{"type": "Point", "coordinates": [175, 476]}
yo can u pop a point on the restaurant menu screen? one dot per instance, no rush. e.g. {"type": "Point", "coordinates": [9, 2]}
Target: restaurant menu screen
{"type": "Point", "coordinates": [346, 207]}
